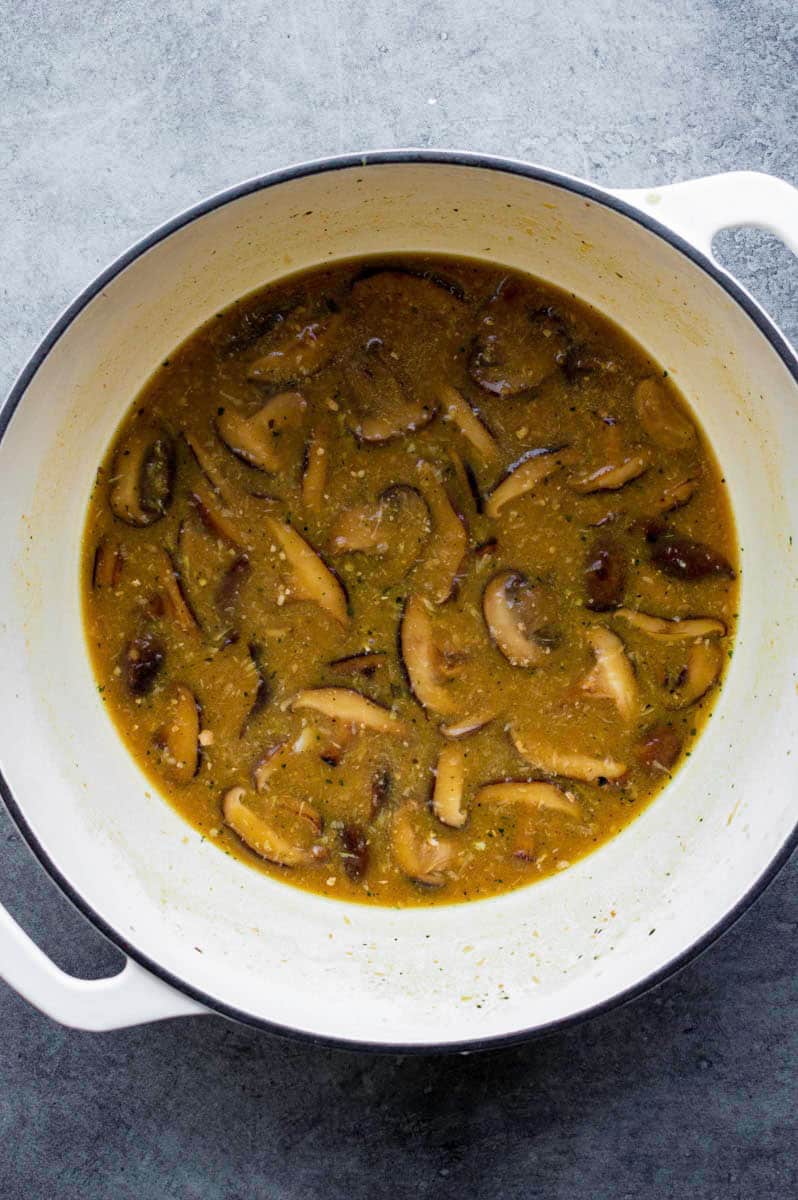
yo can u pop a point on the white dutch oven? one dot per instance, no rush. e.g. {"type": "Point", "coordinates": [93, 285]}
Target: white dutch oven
{"type": "Point", "coordinates": [200, 931]}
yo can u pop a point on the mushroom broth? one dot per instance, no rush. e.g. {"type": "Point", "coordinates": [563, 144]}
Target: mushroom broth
{"type": "Point", "coordinates": [411, 581]}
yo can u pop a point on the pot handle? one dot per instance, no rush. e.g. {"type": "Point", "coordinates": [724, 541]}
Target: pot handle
{"type": "Point", "coordinates": [133, 997]}
{"type": "Point", "coordinates": [699, 208]}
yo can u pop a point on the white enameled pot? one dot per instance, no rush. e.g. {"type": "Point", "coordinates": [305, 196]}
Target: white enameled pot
{"type": "Point", "coordinates": [200, 931]}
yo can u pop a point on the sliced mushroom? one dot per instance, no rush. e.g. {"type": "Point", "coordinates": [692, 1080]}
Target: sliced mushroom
{"type": "Point", "coordinates": [465, 726]}
{"type": "Point", "coordinates": [142, 659]}
{"type": "Point", "coordinates": [259, 833]}
{"type": "Point", "coordinates": [704, 663]}
{"type": "Point", "coordinates": [449, 540]}
{"type": "Point", "coordinates": [676, 630]}
{"type": "Point", "coordinates": [613, 676]}
{"type": "Point", "coordinates": [215, 515]}
{"type": "Point", "coordinates": [661, 417]}
{"type": "Point", "coordinates": [275, 759]}
{"type": "Point", "coordinates": [515, 613]}
{"type": "Point", "coordinates": [525, 475]}
{"type": "Point", "coordinates": [359, 530]}
{"type": "Point", "coordinates": [610, 477]}
{"type": "Point", "coordinates": [419, 654]}
{"type": "Point", "coordinates": [530, 794]}
{"type": "Point", "coordinates": [142, 478]}
{"type": "Point", "coordinates": [312, 578]}
{"type": "Point", "coordinates": [177, 604]}
{"type": "Point", "coordinates": [314, 478]}
{"type": "Point", "coordinates": [384, 405]}
{"type": "Point", "coordinates": [228, 593]}
{"type": "Point", "coordinates": [676, 495]}
{"type": "Point", "coordinates": [109, 561]}
{"type": "Point", "coordinates": [262, 689]}
{"type": "Point", "coordinates": [422, 857]}
{"type": "Point", "coordinates": [683, 558]}
{"type": "Point", "coordinates": [447, 792]}
{"type": "Point", "coordinates": [354, 851]}
{"type": "Point", "coordinates": [397, 526]}
{"type": "Point", "coordinates": [517, 346]}
{"type": "Point", "coordinates": [299, 345]}
{"type": "Point", "coordinates": [659, 748]}
{"type": "Point", "coordinates": [260, 440]}
{"type": "Point", "coordinates": [349, 707]}
{"type": "Point", "coordinates": [566, 764]}
{"type": "Point", "coordinates": [177, 740]}
{"type": "Point", "coordinates": [605, 574]}
{"type": "Point", "coordinates": [366, 664]}
{"type": "Point", "coordinates": [467, 485]}
{"type": "Point", "coordinates": [254, 323]}
{"type": "Point", "coordinates": [205, 460]}
{"type": "Point", "coordinates": [455, 408]}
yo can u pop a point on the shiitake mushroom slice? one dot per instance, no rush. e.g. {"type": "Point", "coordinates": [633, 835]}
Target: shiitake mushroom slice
{"type": "Point", "coordinates": [518, 616]}
{"type": "Point", "coordinates": [611, 476]}
{"type": "Point", "coordinates": [262, 689]}
{"type": "Point", "coordinates": [567, 764]}
{"type": "Point", "coordinates": [661, 417]}
{"type": "Point", "coordinates": [314, 474]}
{"type": "Point", "coordinates": [354, 851]}
{"type": "Point", "coordinates": [108, 564]}
{"type": "Point", "coordinates": [659, 748]}
{"type": "Point", "coordinates": [525, 475]}
{"type": "Point", "coordinates": [605, 573]}
{"type": "Point", "coordinates": [142, 475]}
{"type": "Point", "coordinates": [455, 408]}
{"type": "Point", "coordinates": [142, 660]}
{"type": "Point", "coordinates": [177, 603]}
{"type": "Point", "coordinates": [448, 786]}
{"type": "Point", "coordinates": [699, 674]}
{"type": "Point", "coordinates": [260, 832]}
{"type": "Point", "coordinates": [350, 708]}
{"type": "Point", "coordinates": [612, 677]}
{"type": "Point", "coordinates": [674, 629]}
{"type": "Point", "coordinates": [384, 405]}
{"type": "Point", "coordinates": [531, 794]}
{"type": "Point", "coordinates": [422, 857]}
{"type": "Point", "coordinates": [676, 495]}
{"type": "Point", "coordinates": [448, 544]}
{"type": "Point", "coordinates": [228, 591]}
{"type": "Point", "coordinates": [260, 439]}
{"type": "Point", "coordinates": [366, 664]}
{"type": "Point", "coordinates": [311, 578]}
{"type": "Point", "coordinates": [683, 558]}
{"type": "Point", "coordinates": [176, 741]}
{"type": "Point", "coordinates": [299, 345]}
{"type": "Point", "coordinates": [517, 344]}
{"type": "Point", "coordinates": [420, 658]}
{"type": "Point", "coordinates": [396, 528]}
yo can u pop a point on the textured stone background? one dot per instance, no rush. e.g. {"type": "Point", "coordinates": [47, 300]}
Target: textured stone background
{"type": "Point", "coordinates": [113, 117]}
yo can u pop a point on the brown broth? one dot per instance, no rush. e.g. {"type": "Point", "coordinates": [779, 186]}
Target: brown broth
{"type": "Point", "coordinates": [210, 606]}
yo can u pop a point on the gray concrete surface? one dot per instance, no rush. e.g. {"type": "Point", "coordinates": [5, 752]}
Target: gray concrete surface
{"type": "Point", "coordinates": [113, 117]}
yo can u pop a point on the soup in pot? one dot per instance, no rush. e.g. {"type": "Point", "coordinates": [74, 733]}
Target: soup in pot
{"type": "Point", "coordinates": [409, 581]}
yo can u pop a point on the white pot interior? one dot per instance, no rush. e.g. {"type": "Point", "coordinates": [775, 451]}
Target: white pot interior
{"type": "Point", "coordinates": [274, 953]}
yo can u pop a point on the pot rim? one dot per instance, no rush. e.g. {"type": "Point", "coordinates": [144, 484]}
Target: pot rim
{"type": "Point", "coordinates": [302, 170]}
